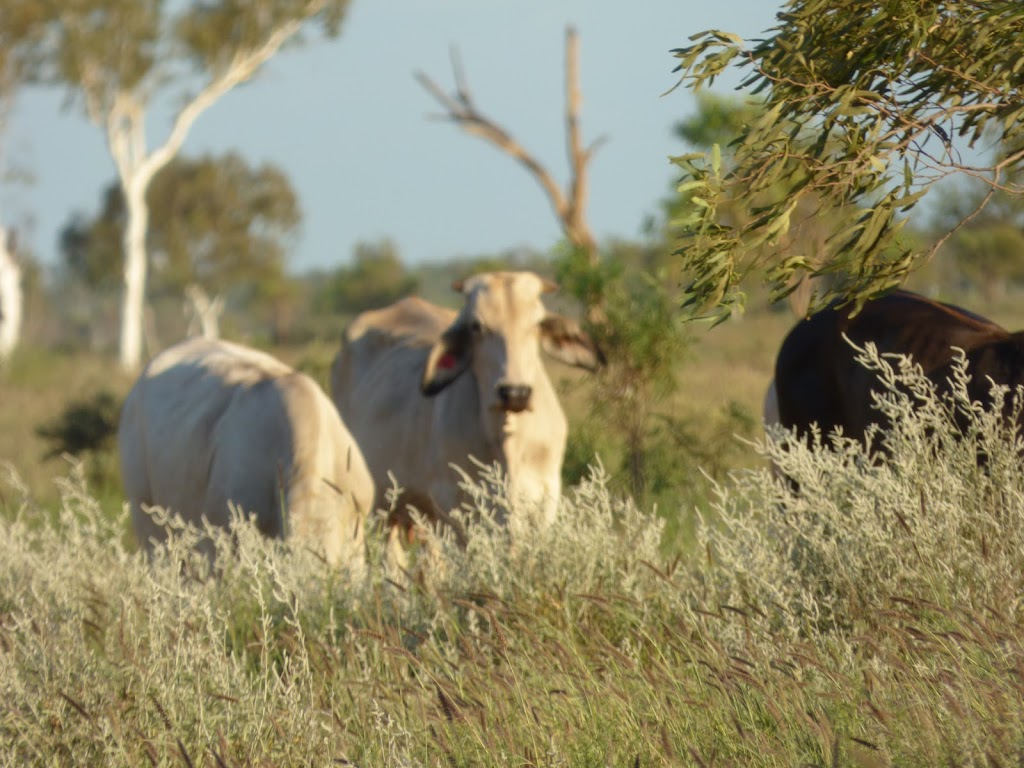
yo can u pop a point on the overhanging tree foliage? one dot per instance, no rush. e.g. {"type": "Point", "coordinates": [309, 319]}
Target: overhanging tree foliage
{"type": "Point", "coordinates": [718, 121]}
{"type": "Point", "coordinates": [867, 105]}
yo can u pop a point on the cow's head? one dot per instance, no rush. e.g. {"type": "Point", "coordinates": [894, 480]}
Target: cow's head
{"type": "Point", "coordinates": [499, 334]}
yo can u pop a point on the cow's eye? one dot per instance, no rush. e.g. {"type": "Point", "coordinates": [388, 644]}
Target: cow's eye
{"type": "Point", "coordinates": [476, 327]}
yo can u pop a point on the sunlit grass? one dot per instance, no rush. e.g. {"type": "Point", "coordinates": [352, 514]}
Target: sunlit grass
{"type": "Point", "coordinates": [871, 618]}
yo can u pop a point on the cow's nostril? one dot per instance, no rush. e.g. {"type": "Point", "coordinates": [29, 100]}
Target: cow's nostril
{"type": "Point", "coordinates": [514, 397]}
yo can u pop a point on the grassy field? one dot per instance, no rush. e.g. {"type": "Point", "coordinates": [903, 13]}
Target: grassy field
{"type": "Point", "coordinates": [872, 619]}
{"type": "Point", "coordinates": [722, 379]}
{"type": "Point", "coordinates": [36, 386]}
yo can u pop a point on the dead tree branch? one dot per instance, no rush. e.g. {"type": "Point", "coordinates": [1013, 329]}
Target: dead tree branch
{"type": "Point", "coordinates": [568, 205]}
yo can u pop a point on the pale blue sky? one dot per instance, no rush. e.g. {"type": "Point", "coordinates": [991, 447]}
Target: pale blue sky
{"type": "Point", "coordinates": [349, 125]}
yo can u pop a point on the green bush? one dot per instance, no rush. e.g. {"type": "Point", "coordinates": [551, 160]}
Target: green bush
{"type": "Point", "coordinates": [87, 429]}
{"type": "Point", "coordinates": [684, 455]}
{"type": "Point", "coordinates": [630, 314]}
{"type": "Point", "coordinates": [376, 277]}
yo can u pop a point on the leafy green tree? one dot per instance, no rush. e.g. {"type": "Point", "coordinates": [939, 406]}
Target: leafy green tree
{"type": "Point", "coordinates": [375, 278]}
{"type": "Point", "coordinates": [866, 105]}
{"type": "Point", "coordinates": [643, 343]}
{"type": "Point", "coordinates": [717, 123]}
{"type": "Point", "coordinates": [214, 222]}
{"type": "Point", "coordinates": [991, 256]}
{"type": "Point", "coordinates": [117, 56]}
{"type": "Point", "coordinates": [91, 248]}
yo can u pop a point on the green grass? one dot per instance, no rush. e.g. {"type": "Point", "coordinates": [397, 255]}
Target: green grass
{"type": "Point", "coordinates": [35, 387]}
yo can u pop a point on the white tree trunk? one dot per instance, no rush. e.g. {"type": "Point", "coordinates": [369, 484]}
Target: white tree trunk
{"type": "Point", "coordinates": [124, 117]}
{"type": "Point", "coordinates": [203, 313]}
{"type": "Point", "coordinates": [10, 298]}
{"type": "Point", "coordinates": [133, 304]}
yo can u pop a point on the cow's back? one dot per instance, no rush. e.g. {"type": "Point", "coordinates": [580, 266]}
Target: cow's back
{"type": "Point", "coordinates": [328, 490]}
{"type": "Point", "coordinates": [377, 337]}
{"type": "Point", "coordinates": [213, 422]}
{"type": "Point", "coordinates": [375, 386]}
{"type": "Point", "coordinates": [169, 427]}
{"type": "Point", "coordinates": [818, 379]}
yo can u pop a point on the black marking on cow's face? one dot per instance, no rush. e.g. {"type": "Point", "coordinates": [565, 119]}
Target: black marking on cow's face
{"type": "Point", "coordinates": [448, 359]}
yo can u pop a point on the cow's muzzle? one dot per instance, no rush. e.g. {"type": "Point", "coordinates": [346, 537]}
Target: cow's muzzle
{"type": "Point", "coordinates": [514, 398]}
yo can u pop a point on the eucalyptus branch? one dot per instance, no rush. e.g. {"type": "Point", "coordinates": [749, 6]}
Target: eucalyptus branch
{"type": "Point", "coordinates": [243, 65]}
{"type": "Point", "coordinates": [962, 223]}
{"type": "Point", "coordinates": [835, 120]}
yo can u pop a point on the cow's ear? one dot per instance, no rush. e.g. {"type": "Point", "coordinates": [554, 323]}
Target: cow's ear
{"type": "Point", "coordinates": [447, 360]}
{"type": "Point", "coordinates": [564, 340]}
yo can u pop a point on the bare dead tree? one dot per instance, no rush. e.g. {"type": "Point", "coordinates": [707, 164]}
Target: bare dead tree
{"type": "Point", "coordinates": [635, 376]}
{"type": "Point", "coordinates": [569, 205]}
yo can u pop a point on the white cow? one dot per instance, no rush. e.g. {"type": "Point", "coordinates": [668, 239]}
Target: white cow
{"type": "Point", "coordinates": [210, 422]}
{"type": "Point", "coordinates": [422, 388]}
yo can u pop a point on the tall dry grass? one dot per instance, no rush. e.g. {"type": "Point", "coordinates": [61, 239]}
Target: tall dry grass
{"type": "Point", "coordinates": [871, 617]}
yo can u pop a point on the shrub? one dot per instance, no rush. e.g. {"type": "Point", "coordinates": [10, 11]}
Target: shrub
{"type": "Point", "coordinates": [86, 430]}
{"type": "Point", "coordinates": [84, 426]}
{"type": "Point", "coordinates": [631, 316]}
{"type": "Point", "coordinates": [869, 615]}
{"type": "Point", "coordinates": [939, 514]}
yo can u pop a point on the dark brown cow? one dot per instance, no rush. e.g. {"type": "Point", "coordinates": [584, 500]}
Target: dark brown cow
{"type": "Point", "coordinates": [818, 380]}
